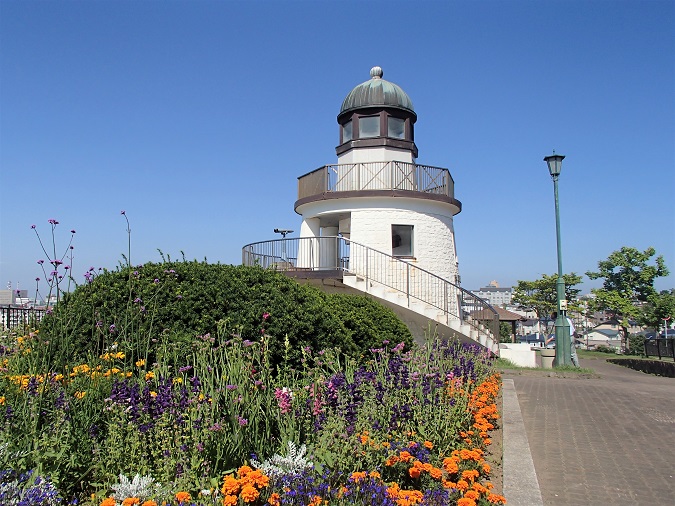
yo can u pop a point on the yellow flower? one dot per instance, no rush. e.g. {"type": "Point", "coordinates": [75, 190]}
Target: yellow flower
{"type": "Point", "coordinates": [140, 363]}
{"type": "Point", "coordinates": [2, 399]}
{"type": "Point", "coordinates": [79, 395]}
{"type": "Point", "coordinates": [149, 375]}
{"type": "Point", "coordinates": [178, 380]}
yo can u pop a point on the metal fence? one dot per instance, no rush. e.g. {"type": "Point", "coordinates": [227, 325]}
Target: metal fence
{"type": "Point", "coordinates": [391, 175]}
{"type": "Point", "coordinates": [13, 317]}
{"type": "Point", "coordinates": [314, 254]}
{"type": "Point", "coordinates": [660, 347]}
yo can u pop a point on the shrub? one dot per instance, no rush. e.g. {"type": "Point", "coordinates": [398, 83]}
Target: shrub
{"type": "Point", "coordinates": [369, 323]}
{"type": "Point", "coordinates": [161, 305]}
{"type": "Point", "coordinates": [605, 349]}
{"type": "Point", "coordinates": [155, 311]}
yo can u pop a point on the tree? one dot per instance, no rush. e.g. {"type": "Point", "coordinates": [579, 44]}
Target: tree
{"type": "Point", "coordinates": [660, 306]}
{"type": "Point", "coordinates": [628, 281]}
{"type": "Point", "coordinates": [540, 296]}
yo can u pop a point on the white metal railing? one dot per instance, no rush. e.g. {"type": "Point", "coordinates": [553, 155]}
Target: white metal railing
{"type": "Point", "coordinates": [388, 175]}
{"type": "Point", "coordinates": [346, 257]}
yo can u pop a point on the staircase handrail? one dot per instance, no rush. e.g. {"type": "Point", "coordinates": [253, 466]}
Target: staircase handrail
{"type": "Point", "coordinates": [283, 254]}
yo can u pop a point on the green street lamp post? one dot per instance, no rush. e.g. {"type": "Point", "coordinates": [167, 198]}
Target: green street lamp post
{"type": "Point", "coordinates": [563, 351]}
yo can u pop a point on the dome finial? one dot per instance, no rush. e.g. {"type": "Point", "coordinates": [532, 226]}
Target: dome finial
{"type": "Point", "coordinates": [376, 73]}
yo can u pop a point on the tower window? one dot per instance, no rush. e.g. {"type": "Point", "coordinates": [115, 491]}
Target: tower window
{"type": "Point", "coordinates": [396, 128]}
{"type": "Point", "coordinates": [369, 126]}
{"type": "Point", "coordinates": [402, 240]}
{"type": "Point", "coordinates": [347, 131]}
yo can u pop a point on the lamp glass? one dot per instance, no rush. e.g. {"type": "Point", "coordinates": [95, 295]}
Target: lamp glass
{"type": "Point", "coordinates": [554, 164]}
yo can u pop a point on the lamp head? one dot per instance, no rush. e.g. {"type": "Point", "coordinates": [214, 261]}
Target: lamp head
{"type": "Point", "coordinates": [282, 231]}
{"type": "Point", "coordinates": [554, 163]}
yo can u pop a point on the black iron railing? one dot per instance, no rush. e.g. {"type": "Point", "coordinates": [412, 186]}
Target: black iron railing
{"type": "Point", "coordinates": [388, 175]}
{"type": "Point", "coordinates": [660, 347]}
{"type": "Point", "coordinates": [13, 317]}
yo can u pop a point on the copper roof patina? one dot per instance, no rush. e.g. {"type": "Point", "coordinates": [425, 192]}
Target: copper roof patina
{"type": "Point", "coordinates": [377, 92]}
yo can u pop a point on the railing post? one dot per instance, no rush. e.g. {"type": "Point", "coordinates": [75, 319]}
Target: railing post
{"type": "Point", "coordinates": [407, 288]}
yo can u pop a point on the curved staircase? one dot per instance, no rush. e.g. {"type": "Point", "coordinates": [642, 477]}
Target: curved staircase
{"type": "Point", "coordinates": [418, 296]}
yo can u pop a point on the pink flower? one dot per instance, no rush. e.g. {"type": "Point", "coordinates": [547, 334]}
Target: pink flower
{"type": "Point", "coordinates": [266, 316]}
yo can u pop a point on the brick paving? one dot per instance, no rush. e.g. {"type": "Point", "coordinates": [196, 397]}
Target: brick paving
{"type": "Point", "coordinates": [601, 441]}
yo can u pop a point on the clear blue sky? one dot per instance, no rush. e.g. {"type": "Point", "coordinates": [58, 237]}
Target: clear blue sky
{"type": "Point", "coordinates": [197, 117]}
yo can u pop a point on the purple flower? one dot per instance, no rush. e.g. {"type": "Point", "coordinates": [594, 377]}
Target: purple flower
{"type": "Point", "coordinates": [32, 226]}
{"type": "Point", "coordinates": [53, 221]}
{"type": "Point", "coordinates": [242, 421]}
{"type": "Point", "coordinates": [40, 262]}
{"type": "Point", "coordinates": [231, 387]}
{"type": "Point", "coordinates": [137, 300]}
{"type": "Point", "coordinates": [112, 328]}
{"type": "Point", "coordinates": [156, 281]}
{"type": "Point", "coordinates": [37, 279]}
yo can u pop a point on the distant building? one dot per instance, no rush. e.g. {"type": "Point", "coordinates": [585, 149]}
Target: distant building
{"type": "Point", "coordinates": [10, 296]}
{"type": "Point", "coordinates": [495, 295]}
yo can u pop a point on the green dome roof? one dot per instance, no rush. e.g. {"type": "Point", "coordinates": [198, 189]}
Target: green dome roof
{"type": "Point", "coordinates": [377, 92]}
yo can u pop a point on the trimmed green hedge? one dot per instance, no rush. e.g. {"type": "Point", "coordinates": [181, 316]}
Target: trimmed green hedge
{"type": "Point", "coordinates": [160, 308]}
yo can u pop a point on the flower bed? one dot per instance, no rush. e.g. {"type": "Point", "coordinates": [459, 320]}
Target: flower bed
{"type": "Point", "coordinates": [400, 427]}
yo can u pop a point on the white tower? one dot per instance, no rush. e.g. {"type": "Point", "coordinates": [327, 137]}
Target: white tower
{"type": "Point", "coordinates": [379, 222]}
{"type": "Point", "coordinates": [377, 195]}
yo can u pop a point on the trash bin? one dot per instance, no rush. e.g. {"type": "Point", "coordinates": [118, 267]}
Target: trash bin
{"type": "Point", "coordinates": [547, 357]}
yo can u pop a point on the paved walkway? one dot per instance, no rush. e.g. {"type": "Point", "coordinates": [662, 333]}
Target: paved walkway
{"type": "Point", "coordinates": [600, 441]}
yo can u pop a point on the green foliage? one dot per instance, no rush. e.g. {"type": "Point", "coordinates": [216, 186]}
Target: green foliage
{"type": "Point", "coordinates": [369, 323]}
{"type": "Point", "coordinates": [604, 349]}
{"type": "Point", "coordinates": [628, 279]}
{"type": "Point", "coordinates": [154, 311]}
{"type": "Point", "coordinates": [505, 334]}
{"type": "Point", "coordinates": [659, 306]}
{"type": "Point", "coordinates": [540, 295]}
{"type": "Point", "coordinates": [636, 344]}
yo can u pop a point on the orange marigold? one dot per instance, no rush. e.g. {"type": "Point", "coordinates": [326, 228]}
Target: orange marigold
{"type": "Point", "coordinates": [428, 444]}
{"type": "Point", "coordinates": [414, 472]}
{"type": "Point", "coordinates": [358, 476]}
{"type": "Point", "coordinates": [391, 461]}
{"type": "Point", "coordinates": [108, 501]}
{"type": "Point", "coordinates": [496, 499]}
{"type": "Point", "coordinates": [471, 494]}
{"type": "Point", "coordinates": [230, 485]}
{"type": "Point", "coordinates": [450, 465]}
{"type": "Point", "coordinates": [130, 501]}
{"type": "Point", "coordinates": [275, 499]}
{"type": "Point", "coordinates": [486, 468]}
{"type": "Point", "coordinates": [249, 493]}
{"type": "Point", "coordinates": [230, 500]}
{"type": "Point", "coordinates": [257, 479]}
{"type": "Point", "coordinates": [470, 474]}
{"type": "Point", "coordinates": [462, 485]}
{"type": "Point", "coordinates": [149, 502]}
{"type": "Point", "coordinates": [316, 501]}
{"type": "Point", "coordinates": [405, 456]}
{"type": "Point", "coordinates": [435, 473]}
{"type": "Point", "coordinates": [465, 501]}
{"type": "Point", "coordinates": [182, 497]}
{"type": "Point", "coordinates": [243, 471]}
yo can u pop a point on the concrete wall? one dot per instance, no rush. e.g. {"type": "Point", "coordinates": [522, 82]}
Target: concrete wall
{"type": "Point", "coordinates": [520, 354]}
